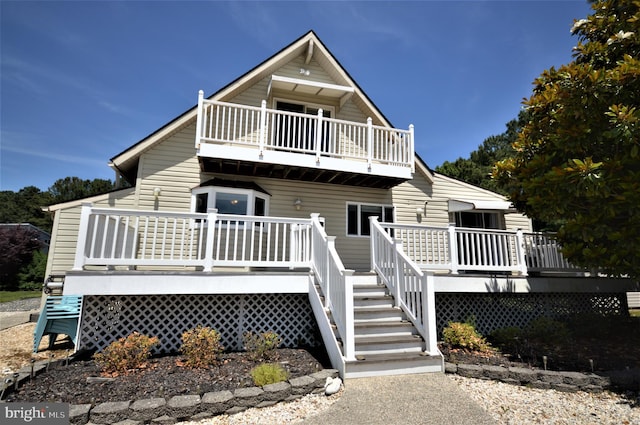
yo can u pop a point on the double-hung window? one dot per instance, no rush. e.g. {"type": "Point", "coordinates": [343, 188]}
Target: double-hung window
{"type": "Point", "coordinates": [358, 217]}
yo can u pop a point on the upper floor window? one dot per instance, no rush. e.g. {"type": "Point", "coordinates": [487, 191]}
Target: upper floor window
{"type": "Point", "coordinates": [358, 217]}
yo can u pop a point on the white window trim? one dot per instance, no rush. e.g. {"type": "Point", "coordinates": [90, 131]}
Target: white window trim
{"type": "Point", "coordinates": [211, 192]}
{"type": "Point", "coordinates": [330, 108]}
{"type": "Point", "coordinates": [359, 224]}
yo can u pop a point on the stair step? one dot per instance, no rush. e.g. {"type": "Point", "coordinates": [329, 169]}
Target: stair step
{"type": "Point", "coordinates": [393, 364]}
{"type": "Point", "coordinates": [365, 314]}
{"type": "Point", "coordinates": [378, 328]}
{"type": "Point", "coordinates": [367, 345]}
{"type": "Point", "coordinates": [369, 301]}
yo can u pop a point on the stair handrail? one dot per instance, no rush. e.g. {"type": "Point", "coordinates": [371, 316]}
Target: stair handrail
{"type": "Point", "coordinates": [335, 283]}
{"type": "Point", "coordinates": [412, 289]}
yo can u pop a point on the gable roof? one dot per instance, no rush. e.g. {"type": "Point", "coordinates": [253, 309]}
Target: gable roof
{"type": "Point", "coordinates": [308, 46]}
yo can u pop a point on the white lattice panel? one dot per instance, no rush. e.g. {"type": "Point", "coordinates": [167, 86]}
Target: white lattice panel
{"type": "Point", "coordinates": [495, 311]}
{"type": "Point", "coordinates": [107, 318]}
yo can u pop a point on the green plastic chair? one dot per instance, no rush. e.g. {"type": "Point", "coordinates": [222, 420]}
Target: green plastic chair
{"type": "Point", "coordinates": [60, 315]}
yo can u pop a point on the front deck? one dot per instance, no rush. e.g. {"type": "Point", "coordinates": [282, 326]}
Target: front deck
{"type": "Point", "coordinates": [192, 267]}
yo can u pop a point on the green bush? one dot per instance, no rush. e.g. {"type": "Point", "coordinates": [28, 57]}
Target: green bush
{"type": "Point", "coordinates": [261, 347]}
{"type": "Point", "coordinates": [268, 373]}
{"type": "Point", "coordinates": [509, 339]}
{"type": "Point", "coordinates": [464, 335]}
{"type": "Point", "coordinates": [547, 330]}
{"type": "Point", "coordinates": [201, 347]}
{"type": "Point", "coordinates": [125, 354]}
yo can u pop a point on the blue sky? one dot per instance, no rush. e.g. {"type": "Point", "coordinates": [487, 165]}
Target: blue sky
{"type": "Point", "coordinates": [83, 81]}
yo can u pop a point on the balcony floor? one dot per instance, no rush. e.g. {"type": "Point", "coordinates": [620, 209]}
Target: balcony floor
{"type": "Point", "coordinates": [301, 167]}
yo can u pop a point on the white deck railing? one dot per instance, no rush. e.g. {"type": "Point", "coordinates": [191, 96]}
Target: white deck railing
{"type": "Point", "coordinates": [269, 129]}
{"type": "Point", "coordinates": [335, 282]}
{"type": "Point", "coordinates": [132, 238]}
{"type": "Point", "coordinates": [456, 249]}
{"type": "Point", "coordinates": [412, 289]}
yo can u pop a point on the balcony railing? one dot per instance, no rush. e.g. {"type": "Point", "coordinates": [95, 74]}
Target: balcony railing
{"type": "Point", "coordinates": [265, 129]}
{"type": "Point", "coordinates": [487, 250]}
{"type": "Point", "coordinates": [132, 238]}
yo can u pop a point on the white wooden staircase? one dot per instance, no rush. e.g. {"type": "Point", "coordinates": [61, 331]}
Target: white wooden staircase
{"type": "Point", "coordinates": [386, 342]}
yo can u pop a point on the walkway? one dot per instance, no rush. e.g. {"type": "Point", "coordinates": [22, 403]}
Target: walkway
{"type": "Point", "coordinates": [407, 399]}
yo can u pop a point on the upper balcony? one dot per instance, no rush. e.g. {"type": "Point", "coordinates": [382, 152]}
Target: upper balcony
{"type": "Point", "coordinates": [258, 141]}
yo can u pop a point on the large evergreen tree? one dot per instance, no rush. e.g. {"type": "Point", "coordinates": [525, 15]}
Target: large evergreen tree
{"type": "Point", "coordinates": [578, 158]}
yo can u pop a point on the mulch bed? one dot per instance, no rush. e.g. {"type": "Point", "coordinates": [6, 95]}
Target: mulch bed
{"type": "Point", "coordinates": [163, 377]}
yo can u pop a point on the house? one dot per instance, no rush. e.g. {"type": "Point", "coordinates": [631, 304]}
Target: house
{"type": "Point", "coordinates": [286, 201]}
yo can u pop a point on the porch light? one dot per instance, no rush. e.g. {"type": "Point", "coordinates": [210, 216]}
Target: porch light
{"type": "Point", "coordinates": [156, 192]}
{"type": "Point", "coordinates": [305, 72]}
{"type": "Point", "coordinates": [297, 204]}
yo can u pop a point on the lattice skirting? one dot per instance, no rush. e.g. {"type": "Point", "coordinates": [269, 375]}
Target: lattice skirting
{"type": "Point", "coordinates": [107, 318]}
{"type": "Point", "coordinates": [498, 310]}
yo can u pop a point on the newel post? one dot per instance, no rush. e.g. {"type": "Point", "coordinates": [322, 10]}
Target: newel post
{"type": "Point", "coordinates": [453, 249]}
{"type": "Point", "coordinates": [429, 313]}
{"type": "Point", "coordinates": [83, 232]}
{"type": "Point", "coordinates": [210, 228]}
{"type": "Point", "coordinates": [349, 319]}
{"type": "Point", "coordinates": [199, 118]}
{"type": "Point", "coordinates": [328, 277]}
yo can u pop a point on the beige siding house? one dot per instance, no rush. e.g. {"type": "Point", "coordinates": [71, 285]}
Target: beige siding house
{"type": "Point", "coordinates": [286, 201]}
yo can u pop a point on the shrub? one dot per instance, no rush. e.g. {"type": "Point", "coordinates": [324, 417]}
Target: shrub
{"type": "Point", "coordinates": [262, 346]}
{"type": "Point", "coordinates": [547, 330]}
{"type": "Point", "coordinates": [201, 346]}
{"type": "Point", "coordinates": [125, 354]}
{"type": "Point", "coordinates": [268, 373]}
{"type": "Point", "coordinates": [464, 335]}
{"type": "Point", "coordinates": [508, 339]}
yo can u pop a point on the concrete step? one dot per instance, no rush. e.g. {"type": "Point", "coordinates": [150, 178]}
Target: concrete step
{"type": "Point", "coordinates": [393, 364]}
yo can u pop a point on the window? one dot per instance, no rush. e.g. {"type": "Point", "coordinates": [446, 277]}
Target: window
{"type": "Point", "coordinates": [229, 200]}
{"type": "Point", "coordinates": [358, 217]}
{"type": "Point", "coordinates": [478, 220]}
{"type": "Point", "coordinates": [299, 133]}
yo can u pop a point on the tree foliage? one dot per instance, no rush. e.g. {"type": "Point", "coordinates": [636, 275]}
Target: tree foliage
{"type": "Point", "coordinates": [17, 245]}
{"type": "Point", "coordinates": [71, 188]}
{"type": "Point", "coordinates": [578, 157]}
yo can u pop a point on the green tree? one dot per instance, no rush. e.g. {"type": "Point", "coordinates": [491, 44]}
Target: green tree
{"type": "Point", "coordinates": [477, 168]}
{"type": "Point", "coordinates": [25, 206]}
{"type": "Point", "coordinates": [577, 159]}
{"type": "Point", "coordinates": [71, 188]}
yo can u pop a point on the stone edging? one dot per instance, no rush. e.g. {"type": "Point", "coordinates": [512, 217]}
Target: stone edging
{"type": "Point", "coordinates": [547, 379]}
{"type": "Point", "coordinates": [193, 407]}
{"type": "Point", "coordinates": [171, 410]}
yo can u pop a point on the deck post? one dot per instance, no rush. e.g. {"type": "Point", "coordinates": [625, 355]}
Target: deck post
{"type": "Point", "coordinates": [263, 125]}
{"type": "Point", "coordinates": [453, 249]}
{"type": "Point", "coordinates": [411, 149]}
{"type": "Point", "coordinates": [212, 217]}
{"type": "Point", "coordinates": [83, 231]}
{"type": "Point", "coordinates": [520, 252]}
{"type": "Point", "coordinates": [199, 118]}
{"type": "Point", "coordinates": [429, 313]}
{"type": "Point", "coordinates": [318, 136]}
{"type": "Point", "coordinates": [369, 142]}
